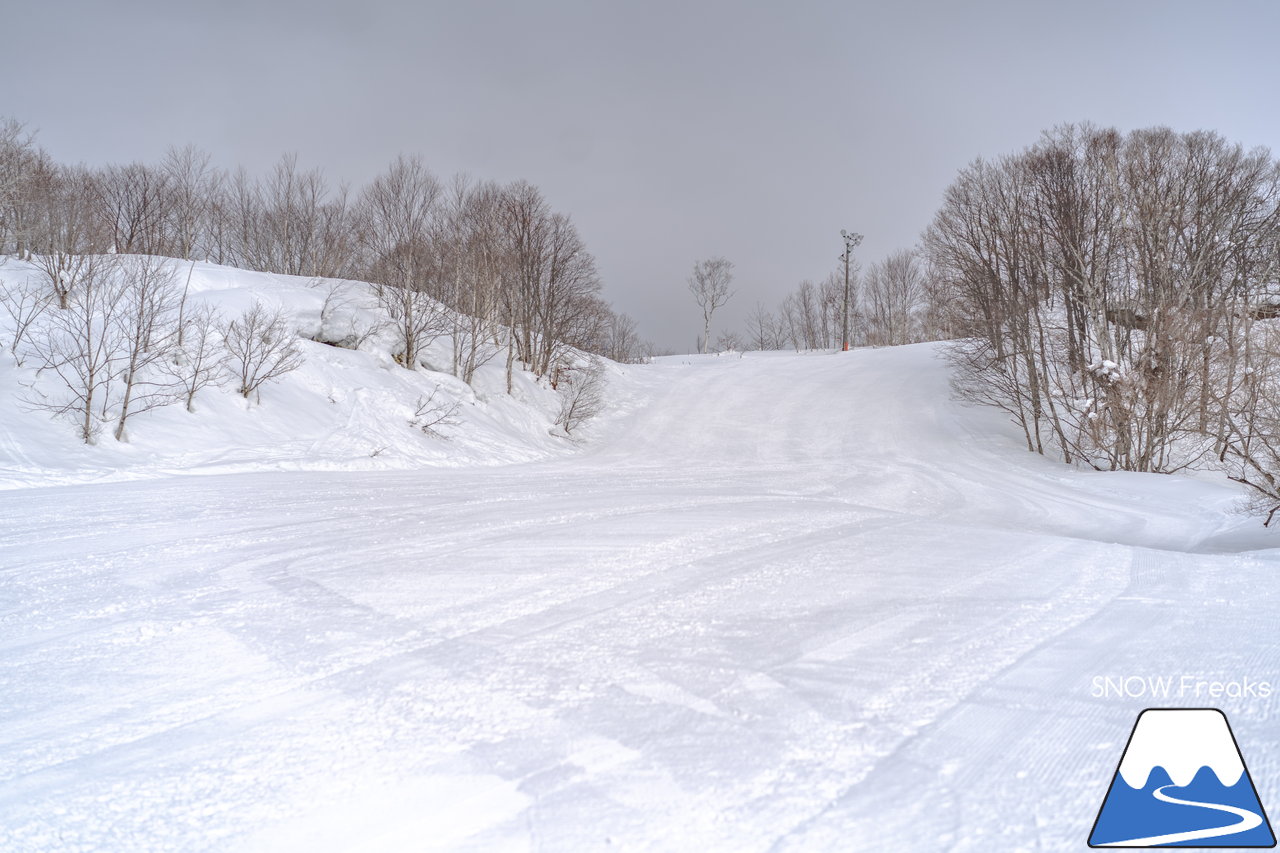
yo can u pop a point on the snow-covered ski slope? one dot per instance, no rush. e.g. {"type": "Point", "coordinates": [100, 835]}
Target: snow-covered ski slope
{"type": "Point", "coordinates": [792, 602]}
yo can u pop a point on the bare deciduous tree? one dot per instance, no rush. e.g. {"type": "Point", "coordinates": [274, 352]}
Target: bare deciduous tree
{"type": "Point", "coordinates": [198, 360]}
{"type": "Point", "coordinates": [131, 205]}
{"type": "Point", "coordinates": [728, 342]}
{"type": "Point", "coordinates": [25, 303]}
{"type": "Point", "coordinates": [400, 229]}
{"type": "Point", "coordinates": [762, 329]}
{"type": "Point", "coordinates": [581, 389]}
{"type": "Point", "coordinates": [22, 166]}
{"type": "Point", "coordinates": [475, 262]}
{"type": "Point", "coordinates": [417, 318]}
{"type": "Point", "coordinates": [291, 222]}
{"type": "Point", "coordinates": [64, 233]}
{"type": "Point", "coordinates": [260, 347]}
{"type": "Point", "coordinates": [622, 341]}
{"type": "Point", "coordinates": [83, 346]}
{"type": "Point", "coordinates": [148, 324]}
{"type": "Point", "coordinates": [709, 285]}
{"type": "Point", "coordinates": [893, 300]}
{"type": "Point", "coordinates": [192, 188]}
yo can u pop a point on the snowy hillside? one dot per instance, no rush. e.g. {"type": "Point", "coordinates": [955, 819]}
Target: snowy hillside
{"type": "Point", "coordinates": [781, 602]}
{"type": "Point", "coordinates": [342, 409]}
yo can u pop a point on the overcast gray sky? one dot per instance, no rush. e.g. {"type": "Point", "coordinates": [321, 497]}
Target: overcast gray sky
{"type": "Point", "coordinates": [670, 131]}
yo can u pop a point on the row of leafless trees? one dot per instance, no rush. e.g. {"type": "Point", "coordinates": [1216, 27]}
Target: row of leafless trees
{"type": "Point", "coordinates": [493, 267]}
{"type": "Point", "coordinates": [894, 302]}
{"type": "Point", "coordinates": [125, 340]}
{"type": "Point", "coordinates": [1117, 295]}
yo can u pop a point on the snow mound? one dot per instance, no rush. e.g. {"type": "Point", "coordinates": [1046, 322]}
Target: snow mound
{"type": "Point", "coordinates": [344, 409]}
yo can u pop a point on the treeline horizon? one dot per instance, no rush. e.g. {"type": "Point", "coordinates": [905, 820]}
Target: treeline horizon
{"type": "Point", "coordinates": [497, 253]}
{"type": "Point", "coordinates": [894, 302]}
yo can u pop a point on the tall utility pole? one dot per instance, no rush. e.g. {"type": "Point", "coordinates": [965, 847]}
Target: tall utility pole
{"type": "Point", "coordinates": [850, 241]}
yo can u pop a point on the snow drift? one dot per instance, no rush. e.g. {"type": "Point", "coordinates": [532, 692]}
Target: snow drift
{"type": "Point", "coordinates": [350, 406]}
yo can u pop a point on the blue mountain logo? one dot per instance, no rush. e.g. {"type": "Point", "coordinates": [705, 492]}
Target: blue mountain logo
{"type": "Point", "coordinates": [1182, 782]}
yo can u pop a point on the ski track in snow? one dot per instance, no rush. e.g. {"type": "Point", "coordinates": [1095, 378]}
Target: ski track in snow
{"type": "Point", "coordinates": [778, 602]}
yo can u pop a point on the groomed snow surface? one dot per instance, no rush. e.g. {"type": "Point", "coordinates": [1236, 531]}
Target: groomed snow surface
{"type": "Point", "coordinates": [792, 602]}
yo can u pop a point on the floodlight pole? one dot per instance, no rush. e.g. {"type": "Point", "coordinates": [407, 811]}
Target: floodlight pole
{"type": "Point", "coordinates": [850, 241]}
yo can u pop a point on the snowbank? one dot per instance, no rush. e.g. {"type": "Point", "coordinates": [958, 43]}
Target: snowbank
{"type": "Point", "coordinates": [343, 409]}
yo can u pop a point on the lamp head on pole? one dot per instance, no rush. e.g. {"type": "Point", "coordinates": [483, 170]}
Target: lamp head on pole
{"type": "Point", "coordinates": [850, 240]}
